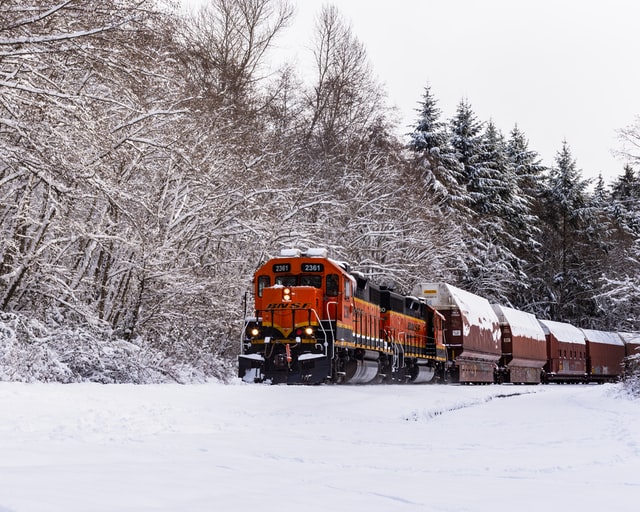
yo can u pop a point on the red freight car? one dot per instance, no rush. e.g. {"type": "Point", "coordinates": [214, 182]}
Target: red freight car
{"type": "Point", "coordinates": [524, 346]}
{"type": "Point", "coordinates": [472, 331]}
{"type": "Point", "coordinates": [605, 353]}
{"type": "Point", "coordinates": [566, 352]}
{"type": "Point", "coordinates": [631, 342]}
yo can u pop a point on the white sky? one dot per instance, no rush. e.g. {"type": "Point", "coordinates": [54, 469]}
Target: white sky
{"type": "Point", "coordinates": [560, 69]}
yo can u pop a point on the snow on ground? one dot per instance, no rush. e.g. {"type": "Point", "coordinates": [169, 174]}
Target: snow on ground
{"type": "Point", "coordinates": [120, 448]}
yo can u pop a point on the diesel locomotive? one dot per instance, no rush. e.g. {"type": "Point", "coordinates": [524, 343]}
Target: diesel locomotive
{"type": "Point", "coordinates": [317, 321]}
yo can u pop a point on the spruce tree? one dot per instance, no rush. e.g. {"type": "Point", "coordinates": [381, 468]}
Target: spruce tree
{"type": "Point", "coordinates": [491, 181]}
{"type": "Point", "coordinates": [525, 220]}
{"type": "Point", "coordinates": [625, 196]}
{"type": "Point", "coordinates": [568, 263]}
{"type": "Point", "coordinates": [434, 156]}
{"type": "Point", "coordinates": [466, 138]}
{"type": "Point", "coordinates": [620, 294]}
{"type": "Point", "coordinates": [526, 163]}
{"type": "Point", "coordinates": [491, 268]}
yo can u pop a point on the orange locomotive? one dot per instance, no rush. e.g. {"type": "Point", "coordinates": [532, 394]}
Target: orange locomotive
{"type": "Point", "coordinates": [316, 321]}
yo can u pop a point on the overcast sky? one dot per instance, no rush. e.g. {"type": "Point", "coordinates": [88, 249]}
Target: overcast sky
{"type": "Point", "coordinates": [560, 69]}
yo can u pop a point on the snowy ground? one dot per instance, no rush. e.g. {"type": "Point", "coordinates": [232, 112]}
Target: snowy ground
{"type": "Point", "coordinates": [244, 447]}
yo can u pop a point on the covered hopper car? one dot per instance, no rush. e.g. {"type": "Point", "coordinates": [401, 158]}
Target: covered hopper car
{"type": "Point", "coordinates": [524, 347]}
{"type": "Point", "coordinates": [605, 353]}
{"type": "Point", "coordinates": [472, 331]}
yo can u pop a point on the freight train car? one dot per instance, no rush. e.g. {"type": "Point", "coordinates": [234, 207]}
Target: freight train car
{"type": "Point", "coordinates": [472, 331]}
{"type": "Point", "coordinates": [524, 347]}
{"type": "Point", "coordinates": [631, 342]}
{"type": "Point", "coordinates": [605, 351]}
{"type": "Point", "coordinates": [566, 352]}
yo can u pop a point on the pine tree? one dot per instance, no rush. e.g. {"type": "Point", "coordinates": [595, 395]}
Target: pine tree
{"type": "Point", "coordinates": [526, 163]}
{"type": "Point", "coordinates": [620, 295]}
{"type": "Point", "coordinates": [434, 155]}
{"type": "Point", "coordinates": [465, 139]}
{"type": "Point", "coordinates": [525, 219]}
{"type": "Point", "coordinates": [625, 196]}
{"type": "Point", "coordinates": [568, 258]}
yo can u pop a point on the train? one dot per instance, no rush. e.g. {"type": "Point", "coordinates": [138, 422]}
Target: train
{"type": "Point", "coordinates": [315, 320]}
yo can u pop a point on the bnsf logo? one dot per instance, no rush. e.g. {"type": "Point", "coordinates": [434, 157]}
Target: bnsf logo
{"type": "Point", "coordinates": [414, 327]}
{"type": "Point", "coordinates": [290, 305]}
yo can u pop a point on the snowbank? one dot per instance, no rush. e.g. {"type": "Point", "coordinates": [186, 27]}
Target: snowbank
{"type": "Point", "coordinates": [167, 448]}
{"type": "Point", "coordinates": [31, 351]}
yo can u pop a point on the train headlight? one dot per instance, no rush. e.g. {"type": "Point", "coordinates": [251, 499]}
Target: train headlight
{"type": "Point", "coordinates": [286, 294]}
{"type": "Point", "coordinates": [308, 331]}
{"type": "Point", "coordinates": [255, 331]}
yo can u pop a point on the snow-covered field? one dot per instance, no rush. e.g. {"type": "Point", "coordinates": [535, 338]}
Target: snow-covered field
{"type": "Point", "coordinates": [215, 447]}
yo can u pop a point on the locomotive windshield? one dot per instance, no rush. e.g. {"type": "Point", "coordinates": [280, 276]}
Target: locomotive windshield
{"type": "Point", "coordinates": [315, 281]}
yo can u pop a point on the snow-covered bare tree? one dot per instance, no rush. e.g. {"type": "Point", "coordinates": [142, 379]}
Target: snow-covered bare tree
{"type": "Point", "coordinates": [71, 115]}
{"type": "Point", "coordinates": [90, 145]}
{"type": "Point", "coordinates": [226, 43]}
{"type": "Point", "coordinates": [630, 139]}
{"type": "Point", "coordinates": [345, 101]}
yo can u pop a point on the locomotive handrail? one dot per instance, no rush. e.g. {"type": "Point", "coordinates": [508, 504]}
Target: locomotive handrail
{"type": "Point", "coordinates": [323, 330]}
{"type": "Point", "coordinates": [333, 340]}
{"type": "Point", "coordinates": [246, 322]}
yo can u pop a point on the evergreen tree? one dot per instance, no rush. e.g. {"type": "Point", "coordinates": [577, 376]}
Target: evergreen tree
{"type": "Point", "coordinates": [526, 163]}
{"type": "Point", "coordinates": [489, 266]}
{"type": "Point", "coordinates": [620, 294]}
{"type": "Point", "coordinates": [465, 139]}
{"type": "Point", "coordinates": [491, 180]}
{"type": "Point", "coordinates": [434, 155]}
{"type": "Point", "coordinates": [525, 220]}
{"type": "Point", "coordinates": [568, 259]}
{"type": "Point", "coordinates": [625, 196]}
{"type": "Point", "coordinates": [501, 218]}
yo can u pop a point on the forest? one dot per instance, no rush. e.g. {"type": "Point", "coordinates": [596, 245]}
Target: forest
{"type": "Point", "coordinates": [150, 161]}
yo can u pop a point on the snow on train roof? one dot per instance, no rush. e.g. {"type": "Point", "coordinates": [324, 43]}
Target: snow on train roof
{"type": "Point", "coordinates": [563, 331]}
{"type": "Point", "coordinates": [605, 337]}
{"type": "Point", "coordinates": [630, 338]}
{"type": "Point", "coordinates": [475, 310]}
{"type": "Point", "coordinates": [521, 323]}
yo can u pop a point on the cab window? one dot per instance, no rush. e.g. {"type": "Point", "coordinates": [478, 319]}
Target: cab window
{"type": "Point", "coordinates": [347, 289]}
{"type": "Point", "coordinates": [263, 282]}
{"type": "Point", "coordinates": [332, 285]}
{"type": "Point", "coordinates": [287, 280]}
{"type": "Point", "coordinates": [315, 281]}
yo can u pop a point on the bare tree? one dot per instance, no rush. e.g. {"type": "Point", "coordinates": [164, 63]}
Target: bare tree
{"type": "Point", "coordinates": [227, 41]}
{"type": "Point", "coordinates": [345, 100]}
{"type": "Point", "coordinates": [630, 138]}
